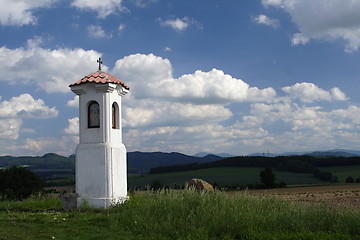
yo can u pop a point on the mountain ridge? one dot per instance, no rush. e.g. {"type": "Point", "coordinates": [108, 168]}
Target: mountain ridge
{"type": "Point", "coordinates": [331, 152]}
{"type": "Point", "coordinates": [142, 162]}
{"type": "Point", "coordinates": [137, 162]}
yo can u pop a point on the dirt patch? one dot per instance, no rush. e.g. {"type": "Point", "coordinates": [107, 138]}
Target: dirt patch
{"type": "Point", "coordinates": [344, 195]}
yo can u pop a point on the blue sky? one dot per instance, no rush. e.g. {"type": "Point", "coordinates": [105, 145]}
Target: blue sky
{"type": "Point", "coordinates": [205, 76]}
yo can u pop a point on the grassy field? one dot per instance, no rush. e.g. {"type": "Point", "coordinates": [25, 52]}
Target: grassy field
{"type": "Point", "coordinates": [342, 172]}
{"type": "Point", "coordinates": [180, 215]}
{"type": "Point", "coordinates": [222, 176]}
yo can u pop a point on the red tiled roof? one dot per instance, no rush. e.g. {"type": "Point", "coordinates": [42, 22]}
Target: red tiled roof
{"type": "Point", "coordinates": [100, 77]}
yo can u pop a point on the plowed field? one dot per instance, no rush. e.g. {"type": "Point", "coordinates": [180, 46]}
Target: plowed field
{"type": "Point", "coordinates": [345, 195]}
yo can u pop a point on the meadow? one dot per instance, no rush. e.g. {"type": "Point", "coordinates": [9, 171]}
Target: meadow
{"type": "Point", "coordinates": [60, 171]}
{"type": "Point", "coordinates": [222, 176]}
{"type": "Point", "coordinates": [182, 214]}
{"type": "Point", "coordinates": [342, 172]}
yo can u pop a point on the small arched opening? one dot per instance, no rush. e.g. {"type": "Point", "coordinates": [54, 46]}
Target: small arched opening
{"type": "Point", "coordinates": [115, 115]}
{"type": "Point", "coordinates": [93, 115]}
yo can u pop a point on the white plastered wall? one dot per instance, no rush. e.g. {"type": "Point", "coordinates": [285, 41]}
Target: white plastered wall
{"type": "Point", "coordinates": [101, 171]}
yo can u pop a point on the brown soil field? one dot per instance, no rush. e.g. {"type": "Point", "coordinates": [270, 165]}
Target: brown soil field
{"type": "Point", "coordinates": [342, 195]}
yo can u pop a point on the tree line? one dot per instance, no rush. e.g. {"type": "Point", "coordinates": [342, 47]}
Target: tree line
{"type": "Point", "coordinates": [295, 164]}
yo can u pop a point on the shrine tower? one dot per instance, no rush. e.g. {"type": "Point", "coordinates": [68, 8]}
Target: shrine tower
{"type": "Point", "coordinates": [101, 172]}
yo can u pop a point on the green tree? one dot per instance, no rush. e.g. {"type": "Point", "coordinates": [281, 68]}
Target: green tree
{"type": "Point", "coordinates": [267, 178]}
{"type": "Point", "coordinates": [156, 185]}
{"type": "Point", "coordinates": [349, 179]}
{"type": "Point", "coordinates": [17, 183]}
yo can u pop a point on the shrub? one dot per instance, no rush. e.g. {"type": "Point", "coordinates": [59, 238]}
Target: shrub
{"type": "Point", "coordinates": [17, 183]}
{"type": "Point", "coordinates": [282, 184]}
{"type": "Point", "coordinates": [325, 176]}
{"type": "Point", "coordinates": [267, 178]}
{"type": "Point", "coordinates": [349, 179]}
{"type": "Point", "coordinates": [156, 185]}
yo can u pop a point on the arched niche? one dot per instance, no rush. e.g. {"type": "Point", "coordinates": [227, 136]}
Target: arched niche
{"type": "Point", "coordinates": [93, 115]}
{"type": "Point", "coordinates": [115, 115]}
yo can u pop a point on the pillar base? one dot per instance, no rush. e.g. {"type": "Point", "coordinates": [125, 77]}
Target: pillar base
{"type": "Point", "coordinates": [103, 203]}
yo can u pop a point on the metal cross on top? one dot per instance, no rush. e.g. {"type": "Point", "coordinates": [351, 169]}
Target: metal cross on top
{"type": "Point", "coordinates": [100, 62]}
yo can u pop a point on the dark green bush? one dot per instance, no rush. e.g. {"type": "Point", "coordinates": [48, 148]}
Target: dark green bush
{"type": "Point", "coordinates": [267, 178]}
{"type": "Point", "coordinates": [17, 183]}
{"type": "Point", "coordinates": [156, 185]}
{"type": "Point", "coordinates": [349, 179]}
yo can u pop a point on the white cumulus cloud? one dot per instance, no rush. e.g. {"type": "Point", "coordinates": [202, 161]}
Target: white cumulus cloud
{"type": "Point", "coordinates": [323, 19]}
{"type": "Point", "coordinates": [265, 20]}
{"type": "Point", "coordinates": [151, 76]}
{"type": "Point", "coordinates": [179, 24]}
{"type": "Point", "coordinates": [20, 12]}
{"type": "Point", "coordinates": [9, 128]}
{"type": "Point", "coordinates": [161, 111]}
{"type": "Point", "coordinates": [303, 128]}
{"type": "Point", "coordinates": [164, 113]}
{"type": "Point", "coordinates": [64, 145]}
{"type": "Point", "coordinates": [190, 113]}
{"type": "Point", "coordinates": [103, 8]}
{"type": "Point", "coordinates": [271, 2]}
{"type": "Point", "coordinates": [14, 111]}
{"type": "Point", "coordinates": [309, 92]}
{"type": "Point", "coordinates": [299, 39]}
{"type": "Point", "coordinates": [73, 127]}
{"type": "Point", "coordinates": [143, 3]}
{"type": "Point", "coordinates": [25, 106]}
{"type": "Point", "coordinates": [73, 102]}
{"type": "Point", "coordinates": [337, 94]}
{"type": "Point", "coordinates": [122, 27]}
{"type": "Point", "coordinates": [97, 31]}
{"type": "Point", "coordinates": [206, 137]}
{"type": "Point", "coordinates": [47, 69]}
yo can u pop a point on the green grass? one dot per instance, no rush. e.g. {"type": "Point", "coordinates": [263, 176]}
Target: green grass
{"type": "Point", "coordinates": [342, 172]}
{"type": "Point", "coordinates": [223, 176]}
{"type": "Point", "coordinates": [61, 179]}
{"type": "Point", "coordinates": [179, 215]}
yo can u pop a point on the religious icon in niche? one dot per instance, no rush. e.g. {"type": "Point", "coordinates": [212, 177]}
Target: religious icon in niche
{"type": "Point", "coordinates": [114, 116]}
{"type": "Point", "coordinates": [94, 115]}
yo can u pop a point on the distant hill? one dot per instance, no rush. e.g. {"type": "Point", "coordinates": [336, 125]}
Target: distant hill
{"type": "Point", "coordinates": [47, 161]}
{"type": "Point", "coordinates": [357, 153]}
{"type": "Point", "coordinates": [333, 152]}
{"type": "Point", "coordinates": [136, 161]}
{"type": "Point", "coordinates": [265, 155]}
{"type": "Point", "coordinates": [223, 155]}
{"type": "Point", "coordinates": [55, 169]}
{"type": "Point", "coordinates": [144, 161]}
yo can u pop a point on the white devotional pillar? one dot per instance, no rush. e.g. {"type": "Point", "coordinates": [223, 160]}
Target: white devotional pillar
{"type": "Point", "coordinates": [101, 172]}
